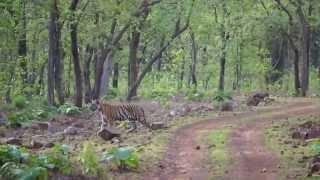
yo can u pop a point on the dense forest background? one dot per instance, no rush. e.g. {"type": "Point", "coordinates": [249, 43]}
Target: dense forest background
{"type": "Point", "coordinates": [82, 50]}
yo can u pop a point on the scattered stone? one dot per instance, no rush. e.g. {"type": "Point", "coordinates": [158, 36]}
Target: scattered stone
{"type": "Point", "coordinates": [78, 124]}
{"type": "Point", "coordinates": [256, 98]}
{"type": "Point", "coordinates": [3, 119]}
{"type": "Point", "coordinates": [115, 140]}
{"type": "Point", "coordinates": [264, 170]}
{"type": "Point", "coordinates": [14, 141]}
{"type": "Point", "coordinates": [157, 125]}
{"type": "Point", "coordinates": [49, 145]}
{"type": "Point", "coordinates": [314, 165]}
{"type": "Point", "coordinates": [227, 106]}
{"type": "Point", "coordinates": [70, 130]}
{"type": "Point", "coordinates": [107, 133]}
{"type": "Point", "coordinates": [36, 144]}
{"type": "Point", "coordinates": [161, 166]}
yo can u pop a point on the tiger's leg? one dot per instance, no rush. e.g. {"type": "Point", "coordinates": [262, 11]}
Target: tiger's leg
{"type": "Point", "coordinates": [103, 121]}
{"type": "Point", "coordinates": [133, 126]}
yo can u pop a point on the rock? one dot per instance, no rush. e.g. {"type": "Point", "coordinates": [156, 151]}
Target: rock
{"type": "Point", "coordinates": [296, 135]}
{"type": "Point", "coordinates": [36, 144]}
{"type": "Point", "coordinates": [14, 141]}
{"type": "Point", "coordinates": [70, 130]}
{"type": "Point", "coordinates": [49, 145]}
{"type": "Point", "coordinates": [256, 98]}
{"type": "Point", "coordinates": [264, 170]}
{"type": "Point", "coordinates": [173, 113]}
{"type": "Point", "coordinates": [41, 125]}
{"type": "Point", "coordinates": [186, 108]}
{"type": "Point", "coordinates": [227, 106]}
{"type": "Point", "coordinates": [107, 133]}
{"type": "Point", "coordinates": [78, 124]}
{"type": "Point", "coordinates": [157, 125]}
{"type": "Point", "coordinates": [3, 118]}
{"type": "Point", "coordinates": [315, 167]}
{"type": "Point", "coordinates": [115, 140]}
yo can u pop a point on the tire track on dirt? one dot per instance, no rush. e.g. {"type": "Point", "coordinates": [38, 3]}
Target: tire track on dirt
{"type": "Point", "coordinates": [183, 160]}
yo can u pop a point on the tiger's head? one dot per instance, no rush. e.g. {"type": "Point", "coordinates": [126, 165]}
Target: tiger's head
{"type": "Point", "coordinates": [96, 105]}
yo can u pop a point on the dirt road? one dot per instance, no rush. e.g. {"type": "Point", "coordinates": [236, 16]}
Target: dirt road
{"type": "Point", "coordinates": [187, 158]}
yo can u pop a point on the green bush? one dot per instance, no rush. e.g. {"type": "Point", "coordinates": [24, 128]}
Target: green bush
{"type": "Point", "coordinates": [20, 102]}
{"type": "Point", "coordinates": [111, 94]}
{"type": "Point", "coordinates": [18, 118]}
{"type": "Point", "coordinates": [123, 157]}
{"type": "Point", "coordinates": [222, 96]}
{"type": "Point", "coordinates": [17, 163]}
{"type": "Point", "coordinates": [58, 157]}
{"type": "Point", "coordinates": [69, 109]}
{"type": "Point", "coordinates": [89, 159]}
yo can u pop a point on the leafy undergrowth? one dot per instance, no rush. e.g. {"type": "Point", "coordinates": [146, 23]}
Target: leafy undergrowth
{"type": "Point", "coordinates": [217, 141]}
{"type": "Point", "coordinates": [21, 164]}
{"type": "Point", "coordinates": [294, 153]}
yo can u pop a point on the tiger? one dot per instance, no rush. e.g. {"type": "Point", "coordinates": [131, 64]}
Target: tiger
{"type": "Point", "coordinates": [111, 112]}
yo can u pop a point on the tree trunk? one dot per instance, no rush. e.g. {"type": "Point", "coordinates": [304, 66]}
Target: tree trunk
{"type": "Point", "coordinates": [59, 70]}
{"type": "Point", "coordinates": [133, 65]}
{"type": "Point", "coordinates": [296, 72]}
{"type": "Point", "coordinates": [181, 74]}
{"type": "Point", "coordinates": [54, 52]}
{"type": "Point", "coordinates": [305, 45]}
{"type": "Point", "coordinates": [194, 60]}
{"type": "Point", "coordinates": [41, 87]}
{"type": "Point", "coordinates": [22, 44]}
{"type": "Point", "coordinates": [86, 75]}
{"type": "Point", "coordinates": [115, 75]}
{"type": "Point", "coordinates": [222, 61]}
{"type": "Point", "coordinates": [159, 61]}
{"type": "Point", "coordinates": [105, 78]}
{"type": "Point", "coordinates": [75, 54]}
{"type": "Point", "coordinates": [236, 83]}
{"type": "Point", "coordinates": [155, 58]}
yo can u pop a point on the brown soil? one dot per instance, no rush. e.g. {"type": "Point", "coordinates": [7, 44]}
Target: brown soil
{"type": "Point", "coordinates": [250, 157]}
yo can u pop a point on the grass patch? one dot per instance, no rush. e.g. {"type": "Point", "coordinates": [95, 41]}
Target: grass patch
{"type": "Point", "coordinates": [220, 156]}
{"type": "Point", "coordinates": [291, 151]}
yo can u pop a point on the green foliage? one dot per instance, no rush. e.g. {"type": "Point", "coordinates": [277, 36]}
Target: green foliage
{"type": "Point", "coordinates": [111, 94]}
{"type": "Point", "coordinates": [69, 109]}
{"type": "Point", "coordinates": [123, 157]}
{"type": "Point", "coordinates": [220, 96]}
{"type": "Point", "coordinates": [89, 159]}
{"type": "Point", "coordinates": [195, 95]}
{"type": "Point", "coordinates": [20, 102]}
{"type": "Point", "coordinates": [16, 119]}
{"type": "Point", "coordinates": [58, 157]}
{"type": "Point", "coordinates": [17, 163]}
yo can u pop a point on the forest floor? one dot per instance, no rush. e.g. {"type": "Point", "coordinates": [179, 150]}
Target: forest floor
{"type": "Point", "coordinates": [198, 142]}
{"type": "Point", "coordinates": [187, 158]}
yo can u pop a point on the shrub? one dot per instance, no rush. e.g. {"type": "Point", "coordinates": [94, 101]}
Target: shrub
{"type": "Point", "coordinates": [20, 102]}
{"type": "Point", "coordinates": [17, 163]}
{"type": "Point", "coordinates": [111, 94]}
{"type": "Point", "coordinates": [222, 96]}
{"type": "Point", "coordinates": [18, 118]}
{"type": "Point", "coordinates": [89, 159]}
{"type": "Point", "coordinates": [57, 158]}
{"type": "Point", "coordinates": [123, 157]}
{"type": "Point", "coordinates": [69, 109]}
